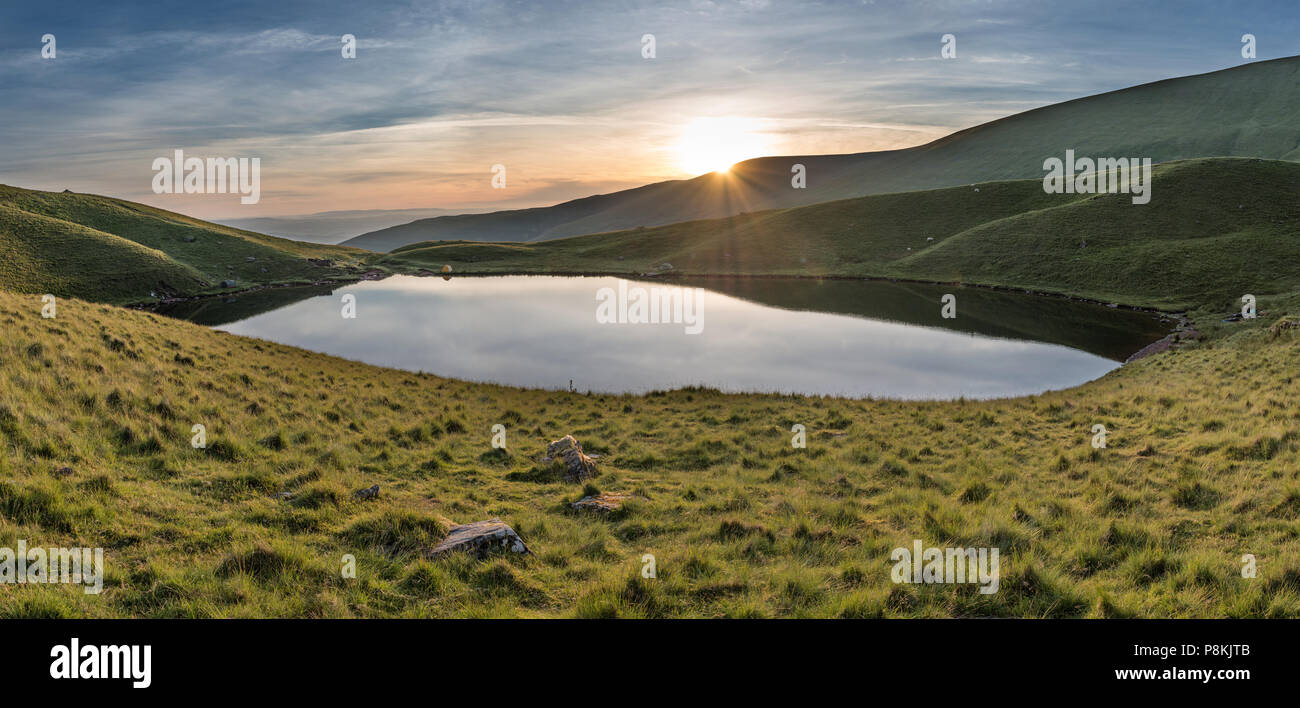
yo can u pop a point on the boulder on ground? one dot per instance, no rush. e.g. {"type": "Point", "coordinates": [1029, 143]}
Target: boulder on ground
{"type": "Point", "coordinates": [367, 493]}
{"type": "Point", "coordinates": [605, 502]}
{"type": "Point", "coordinates": [577, 465]}
{"type": "Point", "coordinates": [227, 283]}
{"type": "Point", "coordinates": [481, 538]}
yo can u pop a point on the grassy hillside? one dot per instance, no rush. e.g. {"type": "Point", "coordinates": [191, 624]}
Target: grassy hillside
{"type": "Point", "coordinates": [111, 250]}
{"type": "Point", "coordinates": [741, 524]}
{"type": "Point", "coordinates": [1215, 229]}
{"type": "Point", "coordinates": [45, 255]}
{"type": "Point", "coordinates": [1252, 110]}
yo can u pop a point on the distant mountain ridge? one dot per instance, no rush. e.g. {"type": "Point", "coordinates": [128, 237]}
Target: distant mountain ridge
{"type": "Point", "coordinates": [333, 226]}
{"type": "Point", "coordinates": [1251, 110]}
{"type": "Point", "coordinates": [1215, 229]}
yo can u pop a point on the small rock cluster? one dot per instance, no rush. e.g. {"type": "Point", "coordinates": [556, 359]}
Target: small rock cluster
{"type": "Point", "coordinates": [605, 502]}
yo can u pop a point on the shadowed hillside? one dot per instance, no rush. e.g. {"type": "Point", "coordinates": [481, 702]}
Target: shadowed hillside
{"type": "Point", "coordinates": [1114, 334]}
{"type": "Point", "coordinates": [1246, 111]}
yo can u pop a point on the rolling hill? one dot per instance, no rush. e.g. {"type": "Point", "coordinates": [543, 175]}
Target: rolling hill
{"type": "Point", "coordinates": [1251, 110]}
{"type": "Point", "coordinates": [1215, 229]}
{"type": "Point", "coordinates": [112, 250]}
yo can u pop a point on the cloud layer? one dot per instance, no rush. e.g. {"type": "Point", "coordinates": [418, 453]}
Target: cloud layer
{"type": "Point", "coordinates": [557, 91]}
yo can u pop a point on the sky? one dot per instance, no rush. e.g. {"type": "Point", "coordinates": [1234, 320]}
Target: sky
{"type": "Point", "coordinates": [559, 93]}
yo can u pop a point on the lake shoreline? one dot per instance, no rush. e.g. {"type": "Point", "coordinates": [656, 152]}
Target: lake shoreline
{"type": "Point", "coordinates": [1178, 321]}
{"type": "Point", "coordinates": [864, 310]}
{"type": "Point", "coordinates": [671, 275]}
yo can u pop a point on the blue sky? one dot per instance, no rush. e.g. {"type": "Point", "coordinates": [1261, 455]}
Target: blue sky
{"type": "Point", "coordinates": [558, 92]}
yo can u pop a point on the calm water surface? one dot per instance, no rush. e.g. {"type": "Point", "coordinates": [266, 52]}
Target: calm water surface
{"type": "Point", "coordinates": [849, 338]}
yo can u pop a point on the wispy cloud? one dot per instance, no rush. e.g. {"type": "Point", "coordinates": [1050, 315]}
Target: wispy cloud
{"type": "Point", "coordinates": [557, 91]}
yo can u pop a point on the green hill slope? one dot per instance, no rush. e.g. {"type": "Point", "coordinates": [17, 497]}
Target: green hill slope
{"type": "Point", "coordinates": [1214, 229]}
{"type": "Point", "coordinates": [1251, 110]}
{"type": "Point", "coordinates": [118, 251]}
{"type": "Point", "coordinates": [46, 255]}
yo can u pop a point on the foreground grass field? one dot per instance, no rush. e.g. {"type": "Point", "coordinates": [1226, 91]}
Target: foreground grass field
{"type": "Point", "coordinates": [1202, 466]}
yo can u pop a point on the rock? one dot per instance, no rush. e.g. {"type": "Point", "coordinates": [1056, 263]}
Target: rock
{"type": "Point", "coordinates": [577, 466]}
{"type": "Point", "coordinates": [1282, 325]}
{"type": "Point", "coordinates": [63, 472]}
{"type": "Point", "coordinates": [227, 283]}
{"type": "Point", "coordinates": [286, 496]}
{"type": "Point", "coordinates": [481, 538]}
{"type": "Point", "coordinates": [1169, 341]}
{"type": "Point", "coordinates": [604, 502]}
{"type": "Point", "coordinates": [250, 259]}
{"type": "Point", "coordinates": [446, 269]}
{"type": "Point", "coordinates": [321, 262]}
{"type": "Point", "coordinates": [367, 493]}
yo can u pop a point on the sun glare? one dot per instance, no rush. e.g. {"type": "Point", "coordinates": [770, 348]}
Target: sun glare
{"type": "Point", "coordinates": [715, 144]}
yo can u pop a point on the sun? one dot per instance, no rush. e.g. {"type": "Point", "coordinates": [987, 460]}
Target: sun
{"type": "Point", "coordinates": [715, 144]}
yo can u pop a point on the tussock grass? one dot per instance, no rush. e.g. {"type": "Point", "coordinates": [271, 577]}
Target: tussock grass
{"type": "Point", "coordinates": [1202, 466]}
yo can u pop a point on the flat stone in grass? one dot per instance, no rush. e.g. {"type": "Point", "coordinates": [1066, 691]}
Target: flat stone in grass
{"type": "Point", "coordinates": [604, 502]}
{"type": "Point", "coordinates": [481, 538]}
{"type": "Point", "coordinates": [577, 466]}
